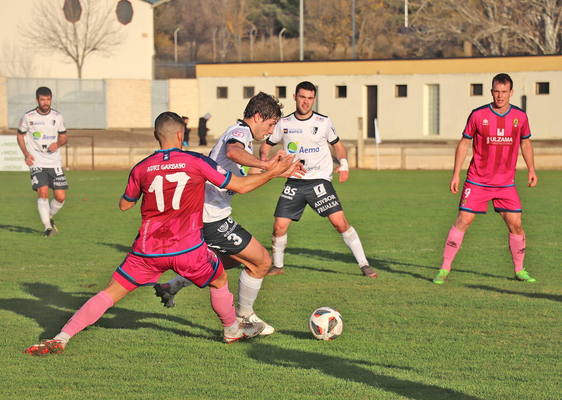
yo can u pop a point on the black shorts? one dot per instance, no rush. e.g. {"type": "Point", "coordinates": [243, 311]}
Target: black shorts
{"type": "Point", "coordinates": [52, 177]}
{"type": "Point", "coordinates": [226, 236]}
{"type": "Point", "coordinates": [297, 193]}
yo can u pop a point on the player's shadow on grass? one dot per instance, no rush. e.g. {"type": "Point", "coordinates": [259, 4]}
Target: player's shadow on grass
{"type": "Point", "coordinates": [119, 247]}
{"type": "Point", "coordinates": [51, 308]}
{"type": "Point", "coordinates": [18, 229]}
{"type": "Point", "coordinates": [546, 296]}
{"type": "Point", "coordinates": [351, 371]}
{"type": "Point", "coordinates": [377, 263]}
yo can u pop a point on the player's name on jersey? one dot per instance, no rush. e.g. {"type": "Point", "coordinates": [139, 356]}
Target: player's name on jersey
{"type": "Point", "coordinates": [162, 167]}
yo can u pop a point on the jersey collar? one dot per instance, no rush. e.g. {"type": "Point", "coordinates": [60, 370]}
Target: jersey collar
{"type": "Point", "coordinates": [306, 119]}
{"type": "Point", "coordinates": [242, 123]}
{"type": "Point", "coordinates": [40, 113]}
{"type": "Point", "coordinates": [497, 113]}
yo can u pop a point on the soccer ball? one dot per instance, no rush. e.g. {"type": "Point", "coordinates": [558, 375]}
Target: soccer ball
{"type": "Point", "coordinates": [325, 323]}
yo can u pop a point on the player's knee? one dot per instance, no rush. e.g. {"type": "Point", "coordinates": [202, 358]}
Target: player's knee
{"type": "Point", "coordinates": [516, 229]}
{"type": "Point", "coordinates": [43, 192]}
{"type": "Point", "coordinates": [279, 230]}
{"type": "Point", "coordinates": [60, 197]}
{"type": "Point", "coordinates": [219, 281]}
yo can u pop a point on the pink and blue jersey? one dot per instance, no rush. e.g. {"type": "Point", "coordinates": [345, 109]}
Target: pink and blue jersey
{"type": "Point", "coordinates": [496, 139]}
{"type": "Point", "coordinates": [172, 185]}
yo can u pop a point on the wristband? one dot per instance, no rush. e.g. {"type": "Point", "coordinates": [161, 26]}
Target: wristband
{"type": "Point", "coordinates": [344, 166]}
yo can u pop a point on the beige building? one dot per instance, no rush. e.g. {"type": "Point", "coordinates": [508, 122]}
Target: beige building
{"type": "Point", "coordinates": [132, 58]}
{"type": "Point", "coordinates": [411, 99]}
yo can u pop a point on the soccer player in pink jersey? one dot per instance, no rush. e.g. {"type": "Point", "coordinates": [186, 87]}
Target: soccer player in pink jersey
{"type": "Point", "coordinates": [496, 130]}
{"type": "Point", "coordinates": [171, 183]}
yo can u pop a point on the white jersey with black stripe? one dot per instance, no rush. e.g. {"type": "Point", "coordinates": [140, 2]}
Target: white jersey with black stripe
{"type": "Point", "coordinates": [42, 130]}
{"type": "Point", "coordinates": [308, 140]}
{"type": "Point", "coordinates": [217, 201]}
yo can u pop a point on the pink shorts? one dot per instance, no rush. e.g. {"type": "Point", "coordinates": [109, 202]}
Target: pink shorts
{"type": "Point", "coordinates": [475, 198]}
{"type": "Point", "coordinates": [200, 266]}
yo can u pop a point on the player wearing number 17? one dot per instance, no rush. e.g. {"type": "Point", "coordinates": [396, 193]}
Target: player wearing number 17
{"type": "Point", "coordinates": [496, 131]}
{"type": "Point", "coordinates": [171, 183]}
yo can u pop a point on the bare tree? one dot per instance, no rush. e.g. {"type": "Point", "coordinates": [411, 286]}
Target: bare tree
{"type": "Point", "coordinates": [97, 31]}
{"type": "Point", "coordinates": [493, 27]}
{"type": "Point", "coordinates": [541, 27]}
{"type": "Point", "coordinates": [14, 62]}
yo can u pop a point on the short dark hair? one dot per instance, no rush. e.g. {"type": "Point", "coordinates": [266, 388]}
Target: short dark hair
{"type": "Point", "coordinates": [265, 105]}
{"type": "Point", "coordinates": [503, 78]}
{"type": "Point", "coordinates": [43, 91]}
{"type": "Point", "coordinates": [306, 85]}
{"type": "Point", "coordinates": [166, 124]}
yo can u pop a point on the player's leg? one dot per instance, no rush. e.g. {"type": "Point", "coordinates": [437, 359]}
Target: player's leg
{"type": "Point", "coordinates": [222, 302]}
{"type": "Point", "coordinates": [508, 205]}
{"type": "Point", "coordinates": [257, 262]}
{"type": "Point", "coordinates": [474, 200]}
{"type": "Point", "coordinates": [59, 196]}
{"type": "Point", "coordinates": [453, 244]}
{"type": "Point", "coordinates": [87, 315]}
{"type": "Point", "coordinates": [290, 207]}
{"type": "Point", "coordinates": [43, 209]}
{"type": "Point", "coordinates": [352, 240]}
{"type": "Point", "coordinates": [279, 244]}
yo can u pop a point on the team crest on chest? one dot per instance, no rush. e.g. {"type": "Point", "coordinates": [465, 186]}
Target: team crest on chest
{"type": "Point", "coordinates": [515, 122]}
{"type": "Point", "coordinates": [314, 130]}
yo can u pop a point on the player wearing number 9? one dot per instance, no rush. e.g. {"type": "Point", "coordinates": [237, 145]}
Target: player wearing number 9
{"type": "Point", "coordinates": [171, 183]}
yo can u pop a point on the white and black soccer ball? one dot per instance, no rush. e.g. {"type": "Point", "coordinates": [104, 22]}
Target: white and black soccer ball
{"type": "Point", "coordinates": [326, 323]}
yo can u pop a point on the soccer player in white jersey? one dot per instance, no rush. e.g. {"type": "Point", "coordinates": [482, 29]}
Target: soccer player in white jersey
{"type": "Point", "coordinates": [41, 134]}
{"type": "Point", "coordinates": [306, 134]}
{"type": "Point", "coordinates": [233, 152]}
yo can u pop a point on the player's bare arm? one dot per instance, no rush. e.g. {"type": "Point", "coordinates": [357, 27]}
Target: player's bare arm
{"type": "Point", "coordinates": [341, 155]}
{"type": "Point", "coordinates": [460, 155]}
{"type": "Point", "coordinates": [61, 141]}
{"type": "Point", "coordinates": [529, 157]}
{"type": "Point", "coordinates": [28, 157]}
{"type": "Point", "coordinates": [264, 151]}
{"type": "Point", "coordinates": [246, 184]}
{"type": "Point", "coordinates": [125, 205]}
{"type": "Point", "coordinates": [237, 153]}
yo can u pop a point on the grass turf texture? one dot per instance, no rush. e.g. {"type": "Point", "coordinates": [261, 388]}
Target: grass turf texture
{"type": "Point", "coordinates": [483, 335]}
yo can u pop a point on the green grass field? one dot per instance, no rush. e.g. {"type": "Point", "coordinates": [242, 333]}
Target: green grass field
{"type": "Point", "coordinates": [483, 335]}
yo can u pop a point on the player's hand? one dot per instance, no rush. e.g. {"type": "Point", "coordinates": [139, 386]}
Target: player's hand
{"type": "Point", "coordinates": [533, 179]}
{"type": "Point", "coordinates": [52, 147]}
{"type": "Point", "coordinates": [344, 175]}
{"type": "Point", "coordinates": [296, 171]}
{"type": "Point", "coordinates": [29, 160]}
{"type": "Point", "coordinates": [454, 185]}
{"type": "Point", "coordinates": [269, 163]}
{"type": "Point", "coordinates": [281, 164]}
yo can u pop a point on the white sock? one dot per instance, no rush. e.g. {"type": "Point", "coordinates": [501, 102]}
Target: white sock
{"type": "Point", "coordinates": [351, 238]}
{"type": "Point", "coordinates": [43, 208]}
{"type": "Point", "coordinates": [278, 245]}
{"type": "Point", "coordinates": [63, 337]}
{"type": "Point", "coordinates": [232, 329]}
{"type": "Point", "coordinates": [55, 207]}
{"type": "Point", "coordinates": [248, 289]}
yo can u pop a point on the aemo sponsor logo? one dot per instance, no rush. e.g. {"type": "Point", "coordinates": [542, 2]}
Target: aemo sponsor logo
{"type": "Point", "coordinates": [309, 150]}
{"type": "Point", "coordinates": [36, 135]}
{"type": "Point", "coordinates": [293, 147]}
